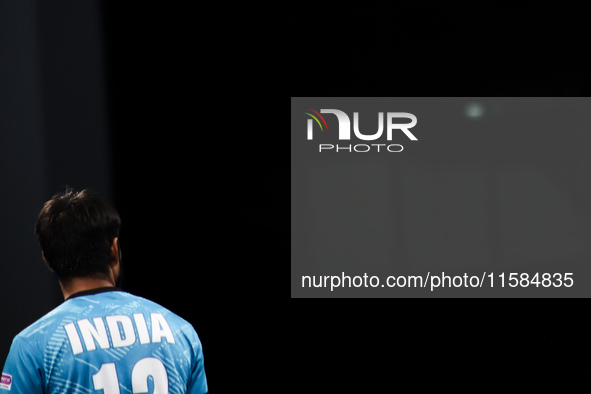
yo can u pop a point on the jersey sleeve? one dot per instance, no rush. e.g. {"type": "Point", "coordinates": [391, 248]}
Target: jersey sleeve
{"type": "Point", "coordinates": [22, 371]}
{"type": "Point", "coordinates": [197, 381]}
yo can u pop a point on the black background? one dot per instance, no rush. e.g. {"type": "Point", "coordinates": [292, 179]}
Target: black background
{"type": "Point", "coordinates": [154, 108]}
{"type": "Point", "coordinates": [189, 227]}
{"type": "Point", "coordinates": [193, 198]}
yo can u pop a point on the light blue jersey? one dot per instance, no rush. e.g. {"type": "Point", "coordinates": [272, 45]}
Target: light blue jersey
{"type": "Point", "coordinates": [106, 341]}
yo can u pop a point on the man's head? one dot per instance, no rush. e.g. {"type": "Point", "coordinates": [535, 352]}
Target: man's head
{"type": "Point", "coordinates": [78, 233]}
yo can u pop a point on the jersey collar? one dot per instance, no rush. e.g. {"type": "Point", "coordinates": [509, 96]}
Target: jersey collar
{"type": "Point", "coordinates": [93, 291]}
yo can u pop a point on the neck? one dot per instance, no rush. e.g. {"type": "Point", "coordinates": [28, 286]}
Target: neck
{"type": "Point", "coordinates": [81, 284]}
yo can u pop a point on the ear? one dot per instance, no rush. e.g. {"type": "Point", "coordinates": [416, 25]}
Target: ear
{"type": "Point", "coordinates": [46, 262]}
{"type": "Point", "coordinates": [115, 252]}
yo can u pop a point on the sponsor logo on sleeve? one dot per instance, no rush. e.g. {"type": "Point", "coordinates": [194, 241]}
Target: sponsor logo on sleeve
{"type": "Point", "coordinates": [6, 381]}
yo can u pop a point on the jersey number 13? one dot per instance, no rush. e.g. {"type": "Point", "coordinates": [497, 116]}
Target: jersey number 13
{"type": "Point", "coordinates": [106, 378]}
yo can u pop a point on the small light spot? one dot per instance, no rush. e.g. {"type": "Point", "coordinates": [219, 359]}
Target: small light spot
{"type": "Point", "coordinates": [474, 110]}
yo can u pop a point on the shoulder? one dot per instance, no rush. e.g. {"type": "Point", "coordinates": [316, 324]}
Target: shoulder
{"type": "Point", "coordinates": [176, 322]}
{"type": "Point", "coordinates": [41, 325]}
{"type": "Point", "coordinates": [33, 338]}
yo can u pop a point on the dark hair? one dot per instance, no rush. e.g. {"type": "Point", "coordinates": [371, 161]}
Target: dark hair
{"type": "Point", "coordinates": [76, 232]}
